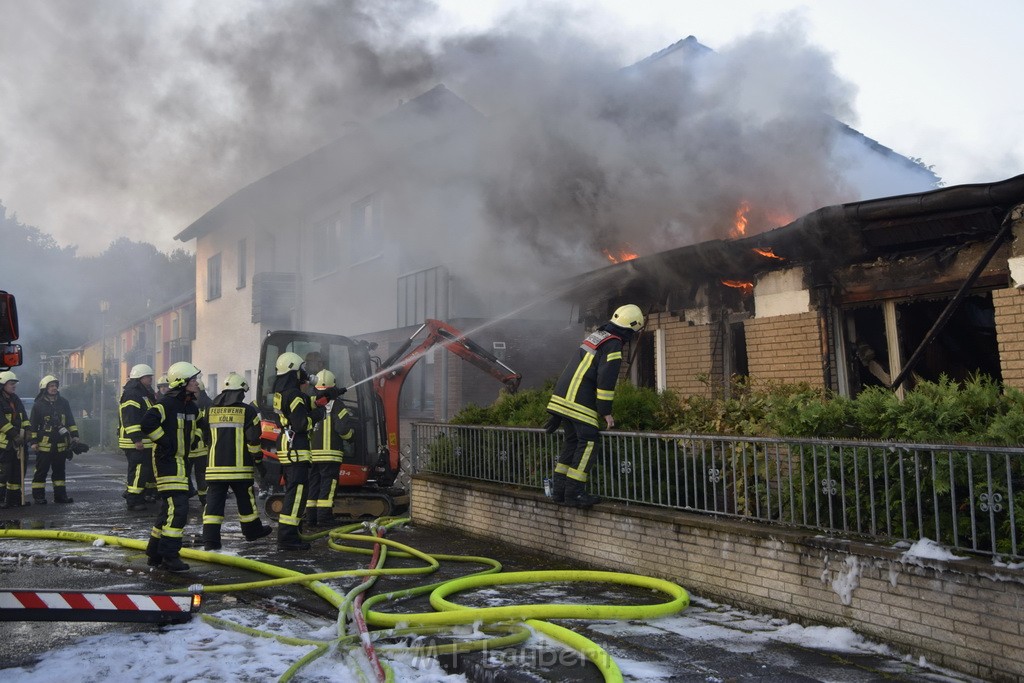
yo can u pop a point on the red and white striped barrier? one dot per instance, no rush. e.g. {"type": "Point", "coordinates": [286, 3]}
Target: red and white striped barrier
{"type": "Point", "coordinates": [54, 605]}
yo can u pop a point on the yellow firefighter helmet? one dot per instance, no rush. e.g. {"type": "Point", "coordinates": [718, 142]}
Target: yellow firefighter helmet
{"type": "Point", "coordinates": [325, 379]}
{"type": "Point", "coordinates": [235, 382]}
{"type": "Point", "coordinates": [180, 373]}
{"type": "Point", "coordinates": [629, 316]}
{"type": "Point", "coordinates": [7, 376]}
{"type": "Point", "coordinates": [288, 361]}
{"type": "Point", "coordinates": [45, 382]}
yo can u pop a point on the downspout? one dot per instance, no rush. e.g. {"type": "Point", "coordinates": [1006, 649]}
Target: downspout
{"type": "Point", "coordinates": [1014, 215]}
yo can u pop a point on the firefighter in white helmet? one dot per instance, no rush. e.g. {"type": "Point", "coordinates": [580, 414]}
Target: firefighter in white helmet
{"type": "Point", "coordinates": [581, 403]}
{"type": "Point", "coordinates": [136, 398]}
{"type": "Point", "coordinates": [328, 449]}
{"type": "Point", "coordinates": [170, 424]}
{"type": "Point", "coordinates": [54, 432]}
{"type": "Point", "coordinates": [14, 429]}
{"type": "Point", "coordinates": [298, 413]}
{"type": "Point", "coordinates": [234, 449]}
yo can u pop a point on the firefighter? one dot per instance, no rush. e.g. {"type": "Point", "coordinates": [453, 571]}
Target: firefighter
{"type": "Point", "coordinates": [234, 449]}
{"type": "Point", "coordinates": [582, 403]}
{"type": "Point", "coordinates": [136, 398]}
{"type": "Point", "coordinates": [328, 449]}
{"type": "Point", "coordinates": [196, 464]}
{"type": "Point", "coordinates": [53, 433]}
{"type": "Point", "coordinates": [161, 387]}
{"type": "Point", "coordinates": [14, 429]}
{"type": "Point", "coordinates": [169, 424]}
{"type": "Point", "coordinates": [298, 413]}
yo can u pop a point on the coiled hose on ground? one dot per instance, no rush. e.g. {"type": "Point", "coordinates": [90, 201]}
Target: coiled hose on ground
{"type": "Point", "coordinates": [504, 626]}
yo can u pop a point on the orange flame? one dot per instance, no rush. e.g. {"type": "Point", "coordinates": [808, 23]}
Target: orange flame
{"type": "Point", "coordinates": [746, 287]}
{"type": "Point", "coordinates": [768, 253]}
{"type": "Point", "coordinates": [619, 256]}
{"type": "Point", "coordinates": [741, 220]}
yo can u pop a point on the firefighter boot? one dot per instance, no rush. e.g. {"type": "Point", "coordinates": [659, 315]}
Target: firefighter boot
{"type": "Point", "coordinates": [153, 558]}
{"type": "Point", "coordinates": [255, 530]}
{"type": "Point", "coordinates": [173, 563]}
{"type": "Point", "coordinates": [576, 494]}
{"type": "Point", "coordinates": [39, 496]}
{"type": "Point", "coordinates": [558, 487]}
{"type": "Point", "coordinates": [60, 496]}
{"type": "Point", "coordinates": [288, 538]}
{"type": "Point", "coordinates": [310, 519]}
{"type": "Point", "coordinates": [325, 517]}
{"type": "Point", "coordinates": [3, 498]}
{"type": "Point", "coordinates": [211, 537]}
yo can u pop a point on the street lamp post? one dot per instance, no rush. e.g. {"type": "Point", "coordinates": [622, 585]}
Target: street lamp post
{"type": "Point", "coordinates": [104, 307]}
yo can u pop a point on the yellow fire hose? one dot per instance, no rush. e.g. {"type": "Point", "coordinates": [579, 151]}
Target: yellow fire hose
{"type": "Point", "coordinates": [508, 621]}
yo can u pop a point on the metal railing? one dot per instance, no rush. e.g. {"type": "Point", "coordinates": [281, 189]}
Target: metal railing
{"type": "Point", "coordinates": [968, 498]}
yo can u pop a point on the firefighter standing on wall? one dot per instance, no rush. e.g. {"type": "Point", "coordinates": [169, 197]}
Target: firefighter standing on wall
{"type": "Point", "coordinates": [53, 433]}
{"type": "Point", "coordinates": [136, 398]}
{"type": "Point", "coordinates": [327, 445]}
{"type": "Point", "coordinates": [14, 428]}
{"type": "Point", "coordinates": [298, 413]}
{"type": "Point", "coordinates": [582, 403]}
{"type": "Point", "coordinates": [234, 448]}
{"type": "Point", "coordinates": [197, 457]}
{"type": "Point", "coordinates": [170, 424]}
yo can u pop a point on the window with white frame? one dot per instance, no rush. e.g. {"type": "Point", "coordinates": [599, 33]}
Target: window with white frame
{"type": "Point", "coordinates": [324, 243]}
{"type": "Point", "coordinates": [366, 240]}
{"type": "Point", "coordinates": [213, 277]}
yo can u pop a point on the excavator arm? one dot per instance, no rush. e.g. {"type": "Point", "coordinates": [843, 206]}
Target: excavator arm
{"type": "Point", "coordinates": [395, 369]}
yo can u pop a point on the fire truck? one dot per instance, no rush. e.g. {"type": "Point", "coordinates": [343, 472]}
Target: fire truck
{"type": "Point", "coordinates": [368, 483]}
{"type": "Point", "coordinates": [10, 354]}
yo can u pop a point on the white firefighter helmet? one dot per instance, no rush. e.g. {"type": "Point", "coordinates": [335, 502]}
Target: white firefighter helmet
{"type": "Point", "coordinates": [163, 381]}
{"type": "Point", "coordinates": [325, 379]}
{"type": "Point", "coordinates": [45, 382]}
{"type": "Point", "coordinates": [235, 382]}
{"type": "Point", "coordinates": [7, 376]}
{"type": "Point", "coordinates": [139, 371]}
{"type": "Point", "coordinates": [629, 316]}
{"type": "Point", "coordinates": [202, 387]}
{"type": "Point", "coordinates": [288, 361]}
{"type": "Point", "coordinates": [180, 373]}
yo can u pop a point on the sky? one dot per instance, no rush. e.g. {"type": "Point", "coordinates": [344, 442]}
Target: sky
{"type": "Point", "coordinates": [120, 117]}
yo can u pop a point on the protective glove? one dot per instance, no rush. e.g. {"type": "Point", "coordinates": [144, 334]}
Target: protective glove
{"type": "Point", "coordinates": [552, 425]}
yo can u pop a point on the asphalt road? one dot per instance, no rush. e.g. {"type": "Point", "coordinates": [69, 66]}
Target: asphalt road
{"type": "Point", "coordinates": [679, 648]}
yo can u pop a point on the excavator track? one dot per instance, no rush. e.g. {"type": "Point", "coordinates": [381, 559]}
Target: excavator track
{"type": "Point", "coordinates": [353, 505]}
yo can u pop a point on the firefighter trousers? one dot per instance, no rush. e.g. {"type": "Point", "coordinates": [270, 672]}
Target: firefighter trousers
{"type": "Point", "coordinates": [140, 473]}
{"type": "Point", "coordinates": [216, 499]}
{"type": "Point", "coordinates": [11, 476]}
{"type": "Point", "coordinates": [323, 480]}
{"type": "Point", "coordinates": [581, 447]}
{"type": "Point", "coordinates": [196, 465]}
{"type": "Point", "coordinates": [46, 460]}
{"type": "Point", "coordinates": [172, 489]}
{"type": "Point", "coordinates": [296, 489]}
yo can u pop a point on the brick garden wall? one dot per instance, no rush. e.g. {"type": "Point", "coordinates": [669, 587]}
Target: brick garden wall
{"type": "Point", "coordinates": [965, 615]}
{"type": "Point", "coordinates": [786, 348]}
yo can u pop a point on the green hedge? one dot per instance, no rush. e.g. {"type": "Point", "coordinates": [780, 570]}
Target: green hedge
{"type": "Point", "coordinates": [977, 411]}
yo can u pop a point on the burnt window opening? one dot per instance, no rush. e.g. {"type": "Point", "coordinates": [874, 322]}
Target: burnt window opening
{"type": "Point", "coordinates": [966, 346]}
{"type": "Point", "coordinates": [736, 352]}
{"type": "Point", "coordinates": [644, 372]}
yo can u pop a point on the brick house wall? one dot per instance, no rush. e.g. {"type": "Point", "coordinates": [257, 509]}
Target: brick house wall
{"type": "Point", "coordinates": [689, 353]}
{"type": "Point", "coordinates": [786, 348]}
{"type": "Point", "coordinates": [1009, 312]}
{"type": "Point", "coordinates": [964, 615]}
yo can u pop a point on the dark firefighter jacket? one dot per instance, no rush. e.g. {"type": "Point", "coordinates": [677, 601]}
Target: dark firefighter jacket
{"type": "Point", "coordinates": [53, 424]}
{"type": "Point", "coordinates": [586, 388]}
{"type": "Point", "coordinates": [329, 437]}
{"type": "Point", "coordinates": [200, 447]}
{"type": "Point", "coordinates": [234, 437]}
{"type": "Point", "coordinates": [136, 399]}
{"type": "Point", "coordinates": [298, 414]}
{"type": "Point", "coordinates": [169, 424]}
{"type": "Point", "coordinates": [13, 419]}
